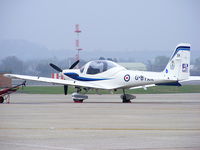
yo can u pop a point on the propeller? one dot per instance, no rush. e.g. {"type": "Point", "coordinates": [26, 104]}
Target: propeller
{"type": "Point", "coordinates": [65, 89]}
{"type": "Point", "coordinates": [55, 67]}
{"type": "Point", "coordinates": [60, 70]}
{"type": "Point", "coordinates": [74, 64]}
{"type": "Point", "coordinates": [23, 84]}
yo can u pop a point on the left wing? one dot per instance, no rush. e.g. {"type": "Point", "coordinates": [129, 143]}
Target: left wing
{"type": "Point", "coordinates": [57, 81]}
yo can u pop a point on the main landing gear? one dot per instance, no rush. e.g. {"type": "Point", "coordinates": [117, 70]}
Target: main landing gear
{"type": "Point", "coordinates": [126, 98]}
{"type": "Point", "coordinates": [78, 97]}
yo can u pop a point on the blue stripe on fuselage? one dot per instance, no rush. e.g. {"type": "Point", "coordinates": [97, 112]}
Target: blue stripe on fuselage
{"type": "Point", "coordinates": [77, 77]}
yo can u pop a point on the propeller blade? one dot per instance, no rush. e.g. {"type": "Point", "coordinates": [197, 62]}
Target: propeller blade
{"type": "Point", "coordinates": [24, 83]}
{"type": "Point", "coordinates": [74, 64]}
{"type": "Point", "coordinates": [55, 67]}
{"type": "Point", "coordinates": [65, 89]}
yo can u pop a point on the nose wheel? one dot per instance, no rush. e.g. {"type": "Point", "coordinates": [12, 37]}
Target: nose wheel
{"type": "Point", "coordinates": [78, 100]}
{"type": "Point", "coordinates": [78, 97]}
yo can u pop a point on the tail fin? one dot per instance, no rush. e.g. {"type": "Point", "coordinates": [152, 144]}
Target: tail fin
{"type": "Point", "coordinates": [178, 66]}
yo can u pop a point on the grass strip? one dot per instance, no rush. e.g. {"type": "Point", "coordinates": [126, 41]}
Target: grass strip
{"type": "Point", "coordinates": [150, 90]}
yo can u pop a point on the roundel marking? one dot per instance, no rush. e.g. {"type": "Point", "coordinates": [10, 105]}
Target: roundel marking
{"type": "Point", "coordinates": [127, 77]}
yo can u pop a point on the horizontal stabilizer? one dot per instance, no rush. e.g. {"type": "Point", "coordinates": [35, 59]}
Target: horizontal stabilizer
{"type": "Point", "coordinates": [192, 78]}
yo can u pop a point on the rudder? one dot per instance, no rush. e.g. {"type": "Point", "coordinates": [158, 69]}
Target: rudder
{"type": "Point", "coordinates": [178, 66]}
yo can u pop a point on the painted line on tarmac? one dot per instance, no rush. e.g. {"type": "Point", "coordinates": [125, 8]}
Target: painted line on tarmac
{"type": "Point", "coordinates": [136, 129]}
{"type": "Point", "coordinates": [38, 146]}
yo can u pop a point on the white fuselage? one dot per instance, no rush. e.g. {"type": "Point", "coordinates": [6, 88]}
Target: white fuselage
{"type": "Point", "coordinates": [119, 77]}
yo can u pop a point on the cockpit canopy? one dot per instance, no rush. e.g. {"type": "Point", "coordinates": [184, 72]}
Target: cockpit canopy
{"type": "Point", "coordinates": [97, 66]}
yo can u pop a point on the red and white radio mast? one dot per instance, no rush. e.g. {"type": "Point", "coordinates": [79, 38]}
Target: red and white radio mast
{"type": "Point", "coordinates": [77, 42]}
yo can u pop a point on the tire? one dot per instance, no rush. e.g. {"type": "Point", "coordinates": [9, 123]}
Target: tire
{"type": "Point", "coordinates": [78, 101]}
{"type": "Point", "coordinates": [1, 99]}
{"type": "Point", "coordinates": [126, 100]}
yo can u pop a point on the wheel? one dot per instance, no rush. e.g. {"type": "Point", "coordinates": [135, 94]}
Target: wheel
{"type": "Point", "coordinates": [125, 100]}
{"type": "Point", "coordinates": [78, 100]}
{"type": "Point", "coordinates": [1, 99]}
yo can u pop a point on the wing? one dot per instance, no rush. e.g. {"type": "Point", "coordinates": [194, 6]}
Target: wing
{"type": "Point", "coordinates": [144, 86]}
{"type": "Point", "coordinates": [191, 78]}
{"type": "Point", "coordinates": [57, 81]}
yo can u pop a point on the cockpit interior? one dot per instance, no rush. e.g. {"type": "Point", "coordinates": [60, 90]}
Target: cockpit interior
{"type": "Point", "coordinates": [97, 66]}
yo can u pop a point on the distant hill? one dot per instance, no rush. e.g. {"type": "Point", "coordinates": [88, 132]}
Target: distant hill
{"type": "Point", "coordinates": [23, 49]}
{"type": "Point", "coordinates": [27, 50]}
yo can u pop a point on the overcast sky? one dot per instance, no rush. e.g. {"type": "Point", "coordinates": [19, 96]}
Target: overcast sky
{"type": "Point", "coordinates": [114, 25]}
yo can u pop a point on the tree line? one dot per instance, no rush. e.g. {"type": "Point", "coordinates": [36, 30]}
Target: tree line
{"type": "Point", "coordinates": [12, 64]}
{"type": "Point", "coordinates": [160, 62]}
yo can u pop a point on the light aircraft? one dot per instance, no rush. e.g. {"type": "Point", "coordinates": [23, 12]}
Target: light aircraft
{"type": "Point", "coordinates": [108, 75]}
{"type": "Point", "coordinates": [5, 93]}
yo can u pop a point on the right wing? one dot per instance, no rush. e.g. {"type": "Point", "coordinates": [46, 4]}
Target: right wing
{"type": "Point", "coordinates": [144, 86]}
